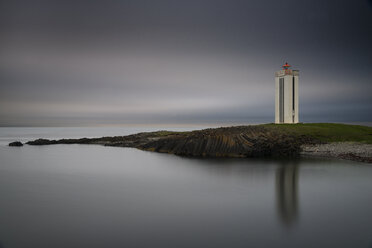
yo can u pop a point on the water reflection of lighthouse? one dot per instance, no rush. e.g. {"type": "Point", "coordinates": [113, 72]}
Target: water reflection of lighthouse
{"type": "Point", "coordinates": [287, 192]}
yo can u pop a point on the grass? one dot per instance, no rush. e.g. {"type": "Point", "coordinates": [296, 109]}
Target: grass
{"type": "Point", "coordinates": [165, 133]}
{"type": "Point", "coordinates": [327, 132]}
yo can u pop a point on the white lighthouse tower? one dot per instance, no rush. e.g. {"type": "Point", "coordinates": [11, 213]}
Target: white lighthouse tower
{"type": "Point", "coordinates": [286, 95]}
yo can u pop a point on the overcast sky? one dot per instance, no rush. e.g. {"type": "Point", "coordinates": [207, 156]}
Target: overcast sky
{"type": "Point", "coordinates": [118, 62]}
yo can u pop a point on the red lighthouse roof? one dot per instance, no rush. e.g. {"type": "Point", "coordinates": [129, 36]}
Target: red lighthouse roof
{"type": "Point", "coordinates": [286, 66]}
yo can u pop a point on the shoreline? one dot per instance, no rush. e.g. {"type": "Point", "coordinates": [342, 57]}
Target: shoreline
{"type": "Point", "coordinates": [329, 140]}
{"type": "Point", "coordinates": [354, 151]}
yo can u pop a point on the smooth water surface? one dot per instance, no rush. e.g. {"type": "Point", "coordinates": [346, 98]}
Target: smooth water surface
{"type": "Point", "coordinates": [96, 196]}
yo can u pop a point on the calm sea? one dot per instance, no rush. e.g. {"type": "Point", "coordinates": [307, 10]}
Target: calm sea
{"type": "Point", "coordinates": [95, 196]}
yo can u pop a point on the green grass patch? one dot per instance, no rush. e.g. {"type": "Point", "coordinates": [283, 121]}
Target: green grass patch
{"type": "Point", "coordinates": [327, 132]}
{"type": "Point", "coordinates": [165, 133]}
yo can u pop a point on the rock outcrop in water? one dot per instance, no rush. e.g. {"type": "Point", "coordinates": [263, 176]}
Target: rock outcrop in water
{"type": "Point", "coordinates": [241, 141]}
{"type": "Point", "coordinates": [16, 143]}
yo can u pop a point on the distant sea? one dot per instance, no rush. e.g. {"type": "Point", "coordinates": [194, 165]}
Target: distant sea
{"type": "Point", "coordinates": [95, 196]}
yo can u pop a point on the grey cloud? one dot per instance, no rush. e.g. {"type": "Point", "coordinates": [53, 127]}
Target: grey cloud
{"type": "Point", "coordinates": [109, 62]}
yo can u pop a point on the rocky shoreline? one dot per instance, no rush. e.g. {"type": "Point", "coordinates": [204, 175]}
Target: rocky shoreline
{"type": "Point", "coordinates": [244, 141]}
{"type": "Point", "coordinates": [342, 150]}
{"type": "Point", "coordinates": [238, 141]}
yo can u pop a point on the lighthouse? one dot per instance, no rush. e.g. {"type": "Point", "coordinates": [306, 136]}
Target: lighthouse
{"type": "Point", "coordinates": [286, 95]}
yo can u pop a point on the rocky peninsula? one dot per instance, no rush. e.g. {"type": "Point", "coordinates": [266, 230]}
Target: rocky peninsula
{"type": "Point", "coordinates": [268, 140]}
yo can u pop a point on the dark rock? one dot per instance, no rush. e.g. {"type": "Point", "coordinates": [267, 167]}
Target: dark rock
{"type": "Point", "coordinates": [16, 143]}
{"type": "Point", "coordinates": [241, 141]}
{"type": "Point", "coordinates": [354, 157]}
{"type": "Point", "coordinates": [40, 142]}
